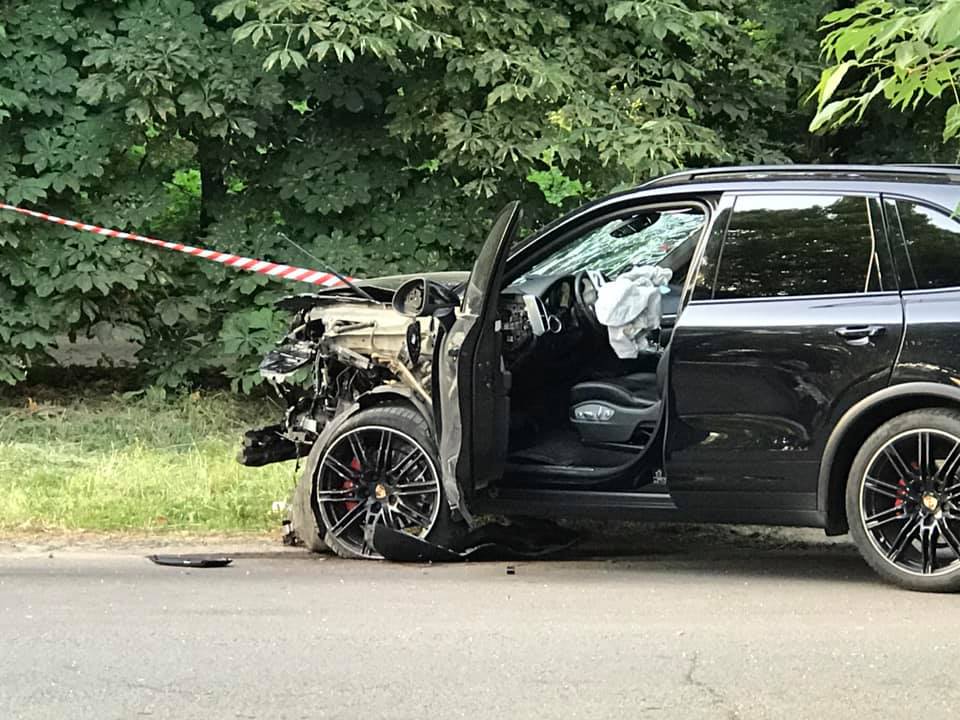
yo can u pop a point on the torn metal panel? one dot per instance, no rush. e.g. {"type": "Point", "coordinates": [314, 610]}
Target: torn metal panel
{"type": "Point", "coordinates": [528, 540]}
{"type": "Point", "coordinates": [342, 347]}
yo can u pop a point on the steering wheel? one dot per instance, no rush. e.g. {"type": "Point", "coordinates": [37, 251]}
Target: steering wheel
{"type": "Point", "coordinates": [585, 295]}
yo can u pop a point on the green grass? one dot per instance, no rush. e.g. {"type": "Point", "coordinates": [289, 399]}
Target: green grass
{"type": "Point", "coordinates": [143, 463]}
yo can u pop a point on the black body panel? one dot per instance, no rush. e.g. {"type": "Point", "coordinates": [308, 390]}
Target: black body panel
{"type": "Point", "coordinates": [632, 506]}
{"type": "Point", "coordinates": [757, 387]}
{"type": "Point", "coordinates": [931, 347]}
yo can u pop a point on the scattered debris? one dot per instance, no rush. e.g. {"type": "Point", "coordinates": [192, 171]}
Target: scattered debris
{"type": "Point", "coordinates": [520, 540]}
{"type": "Point", "coordinates": [289, 535]}
{"type": "Point", "coordinates": [191, 561]}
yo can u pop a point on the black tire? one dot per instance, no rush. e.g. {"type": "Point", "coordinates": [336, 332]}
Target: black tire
{"type": "Point", "coordinates": [406, 426]}
{"type": "Point", "coordinates": [302, 517]}
{"type": "Point", "coordinates": [903, 500]}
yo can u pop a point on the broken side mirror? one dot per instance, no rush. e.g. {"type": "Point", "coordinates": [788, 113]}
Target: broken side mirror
{"type": "Point", "coordinates": [422, 297]}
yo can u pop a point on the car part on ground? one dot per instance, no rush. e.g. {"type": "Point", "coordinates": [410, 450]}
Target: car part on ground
{"type": "Point", "coordinates": [191, 561]}
{"type": "Point", "coordinates": [521, 540]}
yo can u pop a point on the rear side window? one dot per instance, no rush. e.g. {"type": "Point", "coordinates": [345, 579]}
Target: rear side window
{"type": "Point", "coordinates": [932, 240]}
{"type": "Point", "coordinates": [795, 245]}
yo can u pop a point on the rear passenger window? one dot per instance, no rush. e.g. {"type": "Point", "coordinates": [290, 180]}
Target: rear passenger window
{"type": "Point", "coordinates": [932, 239]}
{"type": "Point", "coordinates": [794, 245]}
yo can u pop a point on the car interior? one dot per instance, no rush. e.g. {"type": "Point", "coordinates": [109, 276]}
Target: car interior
{"type": "Point", "coordinates": [581, 416]}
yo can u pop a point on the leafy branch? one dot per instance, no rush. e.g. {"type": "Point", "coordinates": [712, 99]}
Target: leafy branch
{"type": "Point", "coordinates": [905, 54]}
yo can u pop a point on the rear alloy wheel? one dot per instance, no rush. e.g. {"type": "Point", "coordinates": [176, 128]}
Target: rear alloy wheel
{"type": "Point", "coordinates": [903, 500]}
{"type": "Point", "coordinates": [374, 473]}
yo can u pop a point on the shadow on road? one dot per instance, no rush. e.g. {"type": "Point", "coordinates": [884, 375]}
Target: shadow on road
{"type": "Point", "coordinates": [671, 550]}
{"type": "Point", "coordinates": [747, 552]}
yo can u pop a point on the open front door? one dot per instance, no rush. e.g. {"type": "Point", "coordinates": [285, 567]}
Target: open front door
{"type": "Point", "coordinates": [474, 387]}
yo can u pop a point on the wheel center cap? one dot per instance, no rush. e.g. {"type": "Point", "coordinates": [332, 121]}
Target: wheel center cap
{"type": "Point", "coordinates": [380, 492]}
{"type": "Point", "coordinates": [931, 502]}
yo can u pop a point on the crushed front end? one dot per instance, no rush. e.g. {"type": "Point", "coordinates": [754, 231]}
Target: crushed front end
{"type": "Point", "coordinates": [340, 346]}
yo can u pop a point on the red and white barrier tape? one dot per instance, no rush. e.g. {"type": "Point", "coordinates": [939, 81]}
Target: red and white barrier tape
{"type": "Point", "coordinates": [286, 272]}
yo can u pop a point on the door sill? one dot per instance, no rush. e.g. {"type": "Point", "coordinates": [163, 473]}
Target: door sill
{"type": "Point", "coordinates": [577, 503]}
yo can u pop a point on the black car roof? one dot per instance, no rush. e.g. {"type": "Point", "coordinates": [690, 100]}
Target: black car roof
{"type": "Point", "coordinates": [909, 173]}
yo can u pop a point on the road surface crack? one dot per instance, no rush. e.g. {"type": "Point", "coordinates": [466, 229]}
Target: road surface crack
{"type": "Point", "coordinates": [716, 697]}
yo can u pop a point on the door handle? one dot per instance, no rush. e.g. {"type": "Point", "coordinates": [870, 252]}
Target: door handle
{"type": "Point", "coordinates": [860, 334]}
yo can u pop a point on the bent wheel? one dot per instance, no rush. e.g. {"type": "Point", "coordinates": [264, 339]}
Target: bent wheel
{"type": "Point", "coordinates": [903, 500]}
{"type": "Point", "coordinates": [379, 468]}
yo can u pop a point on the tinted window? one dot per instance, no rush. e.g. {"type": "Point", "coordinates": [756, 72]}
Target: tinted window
{"type": "Point", "coordinates": [933, 242]}
{"type": "Point", "coordinates": [789, 245]}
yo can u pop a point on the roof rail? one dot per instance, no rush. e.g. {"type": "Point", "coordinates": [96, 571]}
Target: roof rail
{"type": "Point", "coordinates": [929, 166]}
{"type": "Point", "coordinates": [942, 172]}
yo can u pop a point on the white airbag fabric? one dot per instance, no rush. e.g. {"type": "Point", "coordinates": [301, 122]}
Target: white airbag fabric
{"type": "Point", "coordinates": [630, 307]}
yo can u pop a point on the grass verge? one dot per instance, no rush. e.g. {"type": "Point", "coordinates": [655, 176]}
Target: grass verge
{"type": "Point", "coordinates": [142, 462]}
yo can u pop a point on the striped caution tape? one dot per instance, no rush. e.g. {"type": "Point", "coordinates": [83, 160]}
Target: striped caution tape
{"type": "Point", "coordinates": [277, 270]}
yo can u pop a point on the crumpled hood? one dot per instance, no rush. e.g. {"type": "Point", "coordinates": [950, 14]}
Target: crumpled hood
{"type": "Point", "coordinates": [381, 289]}
{"type": "Point", "coordinates": [392, 282]}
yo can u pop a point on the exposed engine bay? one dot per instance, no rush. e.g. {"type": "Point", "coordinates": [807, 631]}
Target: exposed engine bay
{"type": "Point", "coordinates": [339, 347]}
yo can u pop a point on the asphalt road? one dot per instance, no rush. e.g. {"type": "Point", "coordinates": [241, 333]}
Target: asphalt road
{"type": "Point", "coordinates": [693, 627]}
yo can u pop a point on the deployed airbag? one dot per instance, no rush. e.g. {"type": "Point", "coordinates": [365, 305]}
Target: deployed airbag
{"type": "Point", "coordinates": [631, 308]}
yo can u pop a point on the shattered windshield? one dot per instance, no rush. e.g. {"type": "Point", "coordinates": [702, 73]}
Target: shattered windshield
{"type": "Point", "coordinates": [642, 239]}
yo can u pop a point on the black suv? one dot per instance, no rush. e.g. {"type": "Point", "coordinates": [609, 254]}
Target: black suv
{"type": "Point", "coordinates": [802, 368]}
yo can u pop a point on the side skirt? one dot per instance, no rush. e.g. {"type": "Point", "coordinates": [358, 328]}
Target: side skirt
{"type": "Point", "coordinates": [644, 506]}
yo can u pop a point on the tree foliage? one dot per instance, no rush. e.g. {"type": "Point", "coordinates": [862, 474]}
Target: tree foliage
{"type": "Point", "coordinates": [611, 92]}
{"type": "Point", "coordinates": [907, 55]}
{"type": "Point", "coordinates": [380, 135]}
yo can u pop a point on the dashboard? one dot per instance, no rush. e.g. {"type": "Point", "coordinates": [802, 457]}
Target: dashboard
{"type": "Point", "coordinates": [544, 310]}
{"type": "Point", "coordinates": [554, 313]}
{"type": "Point", "coordinates": [539, 309]}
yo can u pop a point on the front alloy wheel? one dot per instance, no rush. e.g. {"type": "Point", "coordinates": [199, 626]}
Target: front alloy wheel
{"type": "Point", "coordinates": [374, 473]}
{"type": "Point", "coordinates": [903, 500]}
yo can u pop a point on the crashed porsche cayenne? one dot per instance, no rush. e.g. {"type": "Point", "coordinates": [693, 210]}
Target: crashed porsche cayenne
{"type": "Point", "coordinates": [774, 345]}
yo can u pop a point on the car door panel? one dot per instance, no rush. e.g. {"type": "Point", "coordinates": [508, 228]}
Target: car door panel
{"type": "Point", "coordinates": [472, 382]}
{"type": "Point", "coordinates": [758, 382]}
{"type": "Point", "coordinates": [757, 385]}
{"type": "Point", "coordinates": [924, 238]}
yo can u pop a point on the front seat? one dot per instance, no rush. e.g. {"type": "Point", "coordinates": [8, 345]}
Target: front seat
{"type": "Point", "coordinates": [611, 410]}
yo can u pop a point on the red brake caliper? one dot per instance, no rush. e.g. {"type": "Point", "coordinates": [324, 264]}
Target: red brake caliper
{"type": "Point", "coordinates": [350, 485]}
{"type": "Point", "coordinates": [901, 493]}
